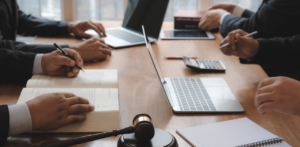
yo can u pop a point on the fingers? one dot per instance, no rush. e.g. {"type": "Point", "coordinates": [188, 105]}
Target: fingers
{"type": "Point", "coordinates": [77, 100]}
{"type": "Point", "coordinates": [266, 89]}
{"type": "Point", "coordinates": [80, 108]}
{"type": "Point", "coordinates": [231, 40]}
{"type": "Point", "coordinates": [89, 24]}
{"type": "Point", "coordinates": [267, 107]}
{"type": "Point", "coordinates": [263, 98]}
{"type": "Point", "coordinates": [76, 56]}
{"type": "Point", "coordinates": [101, 28]}
{"type": "Point", "coordinates": [71, 119]}
{"type": "Point", "coordinates": [84, 35]}
{"type": "Point", "coordinates": [265, 82]}
{"type": "Point", "coordinates": [67, 95]}
{"type": "Point", "coordinates": [61, 60]}
{"type": "Point", "coordinates": [217, 6]}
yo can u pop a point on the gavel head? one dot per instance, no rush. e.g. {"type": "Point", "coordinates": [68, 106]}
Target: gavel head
{"type": "Point", "coordinates": [144, 129]}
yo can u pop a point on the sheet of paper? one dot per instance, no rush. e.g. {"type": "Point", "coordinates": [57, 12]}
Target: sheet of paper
{"type": "Point", "coordinates": [91, 78]}
{"type": "Point", "coordinates": [103, 99]}
{"type": "Point", "coordinates": [227, 134]}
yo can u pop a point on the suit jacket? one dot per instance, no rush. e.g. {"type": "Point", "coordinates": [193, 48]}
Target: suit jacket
{"type": "Point", "coordinates": [4, 124]}
{"type": "Point", "coordinates": [16, 66]}
{"type": "Point", "coordinates": [275, 18]}
{"type": "Point", "coordinates": [14, 21]}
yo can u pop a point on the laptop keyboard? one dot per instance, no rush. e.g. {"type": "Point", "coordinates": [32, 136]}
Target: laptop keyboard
{"type": "Point", "coordinates": [118, 33]}
{"type": "Point", "coordinates": [192, 95]}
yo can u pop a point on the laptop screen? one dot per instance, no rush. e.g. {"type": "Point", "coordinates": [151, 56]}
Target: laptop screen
{"type": "Point", "coordinates": [149, 13]}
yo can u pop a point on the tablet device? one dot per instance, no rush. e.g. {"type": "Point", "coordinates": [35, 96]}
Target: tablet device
{"type": "Point", "coordinates": [185, 34]}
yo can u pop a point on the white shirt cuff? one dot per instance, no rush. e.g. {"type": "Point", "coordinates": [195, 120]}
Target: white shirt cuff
{"type": "Point", "coordinates": [19, 119]}
{"type": "Point", "coordinates": [223, 16]}
{"type": "Point", "coordinates": [238, 10]}
{"type": "Point", "coordinates": [37, 64]}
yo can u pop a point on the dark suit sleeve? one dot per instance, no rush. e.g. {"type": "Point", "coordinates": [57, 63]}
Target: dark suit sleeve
{"type": "Point", "coordinates": [277, 52]}
{"type": "Point", "coordinates": [32, 26]}
{"type": "Point", "coordinates": [274, 18]}
{"type": "Point", "coordinates": [16, 66]}
{"type": "Point", "coordinates": [247, 13]}
{"type": "Point", "coordinates": [4, 124]}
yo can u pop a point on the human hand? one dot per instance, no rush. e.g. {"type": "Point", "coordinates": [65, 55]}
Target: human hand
{"type": "Point", "coordinates": [244, 47]}
{"type": "Point", "coordinates": [56, 64]}
{"type": "Point", "coordinates": [279, 94]}
{"type": "Point", "coordinates": [55, 110]}
{"type": "Point", "coordinates": [79, 28]}
{"type": "Point", "coordinates": [211, 19]}
{"type": "Point", "coordinates": [229, 7]}
{"type": "Point", "coordinates": [92, 49]}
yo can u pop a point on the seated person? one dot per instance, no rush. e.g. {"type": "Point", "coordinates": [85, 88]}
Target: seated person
{"type": "Point", "coordinates": [279, 94]}
{"type": "Point", "coordinates": [274, 18]}
{"type": "Point", "coordinates": [278, 56]}
{"type": "Point", "coordinates": [14, 21]}
{"type": "Point", "coordinates": [45, 112]}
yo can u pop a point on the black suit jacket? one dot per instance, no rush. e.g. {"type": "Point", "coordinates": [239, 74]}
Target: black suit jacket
{"type": "Point", "coordinates": [13, 21]}
{"type": "Point", "coordinates": [4, 124]}
{"type": "Point", "coordinates": [275, 18]}
{"type": "Point", "coordinates": [16, 66]}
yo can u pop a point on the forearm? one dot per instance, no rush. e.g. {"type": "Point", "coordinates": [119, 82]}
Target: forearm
{"type": "Point", "coordinates": [281, 52]}
{"type": "Point", "coordinates": [32, 26]}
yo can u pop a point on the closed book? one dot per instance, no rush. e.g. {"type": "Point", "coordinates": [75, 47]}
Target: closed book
{"type": "Point", "coordinates": [187, 19]}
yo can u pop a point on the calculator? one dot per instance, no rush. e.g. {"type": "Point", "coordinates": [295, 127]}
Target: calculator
{"type": "Point", "coordinates": [204, 65]}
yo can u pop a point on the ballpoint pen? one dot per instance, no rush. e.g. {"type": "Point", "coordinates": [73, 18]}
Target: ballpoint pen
{"type": "Point", "coordinates": [249, 35]}
{"type": "Point", "coordinates": [66, 54]}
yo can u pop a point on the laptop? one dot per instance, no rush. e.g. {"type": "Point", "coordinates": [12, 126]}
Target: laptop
{"type": "Point", "coordinates": [196, 95]}
{"type": "Point", "coordinates": [149, 13]}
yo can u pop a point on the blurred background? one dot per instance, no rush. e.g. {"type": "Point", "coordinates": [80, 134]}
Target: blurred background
{"type": "Point", "coordinates": [111, 9]}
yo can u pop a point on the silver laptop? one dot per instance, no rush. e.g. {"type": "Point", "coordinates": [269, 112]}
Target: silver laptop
{"type": "Point", "coordinates": [196, 95]}
{"type": "Point", "coordinates": [149, 13]}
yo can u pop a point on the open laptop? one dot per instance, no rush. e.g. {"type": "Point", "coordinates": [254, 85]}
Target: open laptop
{"type": "Point", "coordinates": [149, 13]}
{"type": "Point", "coordinates": [196, 95]}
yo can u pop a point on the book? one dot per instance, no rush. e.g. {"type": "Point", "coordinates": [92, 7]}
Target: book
{"type": "Point", "coordinates": [240, 132]}
{"type": "Point", "coordinates": [100, 87]}
{"type": "Point", "coordinates": [184, 19]}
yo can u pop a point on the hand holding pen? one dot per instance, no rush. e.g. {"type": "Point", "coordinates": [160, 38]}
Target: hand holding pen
{"type": "Point", "coordinates": [66, 54]}
{"type": "Point", "coordinates": [240, 44]}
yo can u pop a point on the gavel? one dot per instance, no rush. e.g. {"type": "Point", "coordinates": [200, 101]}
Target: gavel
{"type": "Point", "coordinates": [142, 127]}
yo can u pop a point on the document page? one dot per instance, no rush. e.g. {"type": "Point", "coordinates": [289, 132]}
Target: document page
{"type": "Point", "coordinates": [91, 78]}
{"type": "Point", "coordinates": [228, 134]}
{"type": "Point", "coordinates": [103, 99]}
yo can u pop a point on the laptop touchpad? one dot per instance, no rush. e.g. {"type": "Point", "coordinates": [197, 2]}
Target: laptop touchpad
{"type": "Point", "coordinates": [220, 93]}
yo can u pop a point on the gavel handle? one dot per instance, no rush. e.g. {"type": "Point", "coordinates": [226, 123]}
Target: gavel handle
{"type": "Point", "coordinates": [92, 137]}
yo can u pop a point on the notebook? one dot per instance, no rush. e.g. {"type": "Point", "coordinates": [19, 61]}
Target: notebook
{"type": "Point", "coordinates": [240, 132]}
{"type": "Point", "coordinates": [100, 87]}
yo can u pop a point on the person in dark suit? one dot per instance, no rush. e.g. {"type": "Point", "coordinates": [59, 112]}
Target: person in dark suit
{"type": "Point", "coordinates": [274, 18]}
{"type": "Point", "coordinates": [278, 56]}
{"type": "Point", "coordinates": [45, 112]}
{"type": "Point", "coordinates": [14, 21]}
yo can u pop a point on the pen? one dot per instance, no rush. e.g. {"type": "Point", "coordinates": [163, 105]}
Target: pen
{"type": "Point", "coordinates": [249, 35]}
{"type": "Point", "coordinates": [179, 57]}
{"type": "Point", "coordinates": [66, 54]}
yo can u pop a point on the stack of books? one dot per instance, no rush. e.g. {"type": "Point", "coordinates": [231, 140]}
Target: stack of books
{"type": "Point", "coordinates": [187, 19]}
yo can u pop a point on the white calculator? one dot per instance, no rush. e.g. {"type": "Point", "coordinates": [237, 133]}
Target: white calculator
{"type": "Point", "coordinates": [204, 65]}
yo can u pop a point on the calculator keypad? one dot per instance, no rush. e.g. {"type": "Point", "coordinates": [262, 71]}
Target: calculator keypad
{"type": "Point", "coordinates": [209, 64]}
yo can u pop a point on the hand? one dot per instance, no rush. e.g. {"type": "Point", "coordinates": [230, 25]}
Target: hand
{"type": "Point", "coordinates": [79, 28]}
{"type": "Point", "coordinates": [229, 7]}
{"type": "Point", "coordinates": [56, 64]}
{"type": "Point", "coordinates": [279, 94]}
{"type": "Point", "coordinates": [92, 49]}
{"type": "Point", "coordinates": [55, 110]}
{"type": "Point", "coordinates": [211, 19]}
{"type": "Point", "coordinates": [245, 47]}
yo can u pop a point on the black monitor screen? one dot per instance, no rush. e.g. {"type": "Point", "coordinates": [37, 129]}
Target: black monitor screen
{"type": "Point", "coordinates": [149, 13]}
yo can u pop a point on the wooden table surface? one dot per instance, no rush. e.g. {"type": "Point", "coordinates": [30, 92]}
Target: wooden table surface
{"type": "Point", "coordinates": [141, 92]}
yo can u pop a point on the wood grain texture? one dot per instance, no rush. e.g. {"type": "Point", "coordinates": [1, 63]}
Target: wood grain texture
{"type": "Point", "coordinates": [141, 92]}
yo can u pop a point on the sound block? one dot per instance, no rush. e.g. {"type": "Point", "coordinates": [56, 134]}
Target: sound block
{"type": "Point", "coordinates": [160, 139]}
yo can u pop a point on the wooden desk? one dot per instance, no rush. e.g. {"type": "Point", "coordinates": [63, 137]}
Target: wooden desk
{"type": "Point", "coordinates": [141, 92]}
